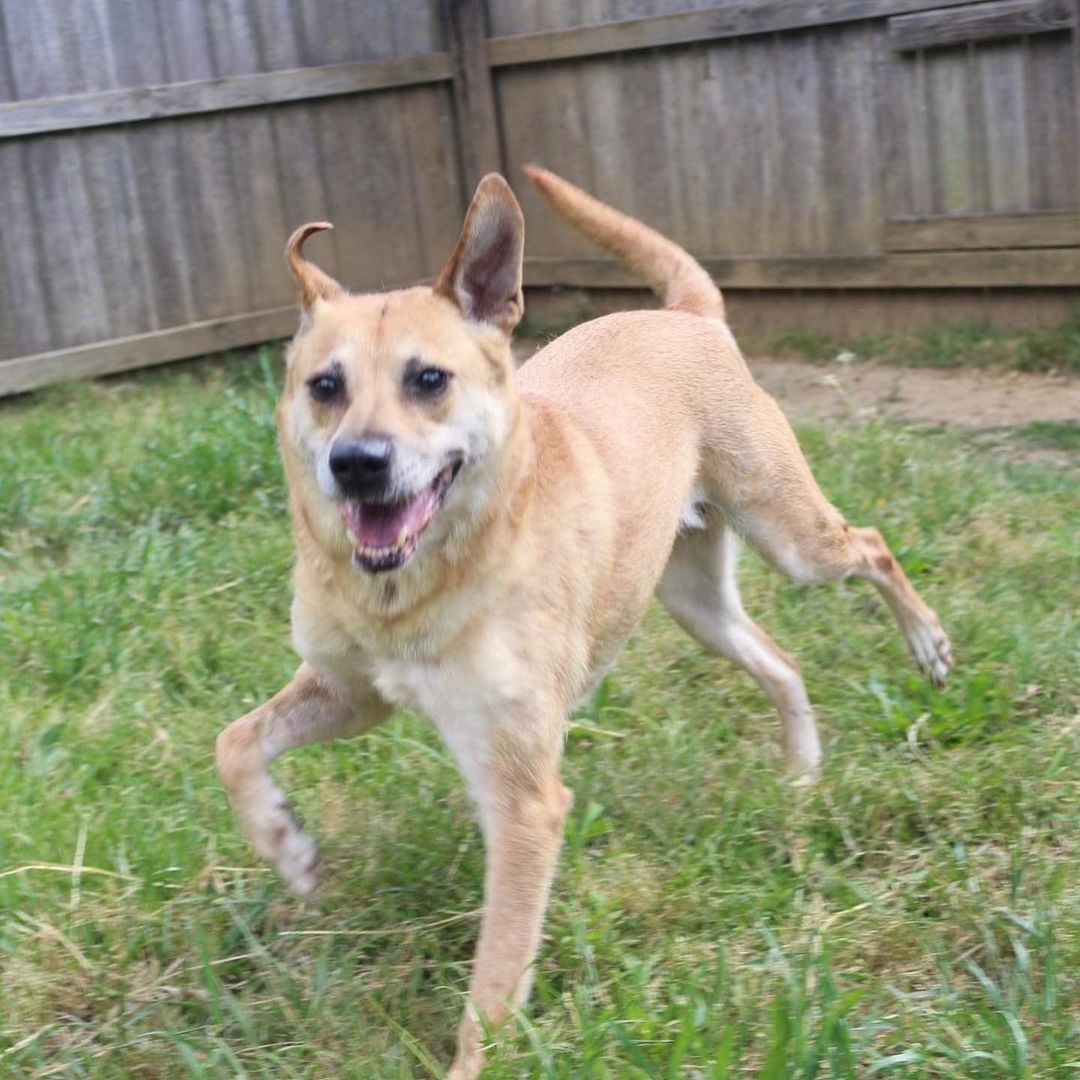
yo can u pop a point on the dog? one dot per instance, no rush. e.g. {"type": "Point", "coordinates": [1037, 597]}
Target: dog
{"type": "Point", "coordinates": [476, 543]}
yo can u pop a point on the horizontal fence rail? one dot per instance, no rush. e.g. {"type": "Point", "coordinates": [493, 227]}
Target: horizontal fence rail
{"type": "Point", "coordinates": [692, 27]}
{"type": "Point", "coordinates": [982, 22]}
{"type": "Point", "coordinates": [108, 107]}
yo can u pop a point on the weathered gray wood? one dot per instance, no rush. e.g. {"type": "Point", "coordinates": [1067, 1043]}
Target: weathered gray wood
{"type": "Point", "coordinates": [977, 127]}
{"type": "Point", "coordinates": [895, 79]}
{"type": "Point", "coordinates": [209, 254]}
{"type": "Point", "coordinates": [145, 350]}
{"type": "Point", "coordinates": [979, 22]}
{"type": "Point", "coordinates": [986, 127]}
{"type": "Point", "coordinates": [950, 130]}
{"type": "Point", "coordinates": [803, 173]}
{"type": "Point", "coordinates": [951, 269]}
{"type": "Point", "coordinates": [474, 94]}
{"type": "Point", "coordinates": [1074, 50]}
{"type": "Point", "coordinates": [764, 142]}
{"type": "Point", "coordinates": [780, 138]}
{"type": "Point", "coordinates": [851, 186]}
{"type": "Point", "coordinates": [108, 107]}
{"type": "Point", "coordinates": [258, 218]}
{"type": "Point", "coordinates": [1004, 90]}
{"type": "Point", "coordinates": [549, 107]}
{"type": "Point", "coordinates": [172, 223]}
{"type": "Point", "coordinates": [1045, 229]}
{"type": "Point", "coordinates": [433, 175]}
{"type": "Point", "coordinates": [727, 21]}
{"type": "Point", "coordinates": [917, 135]}
{"type": "Point", "coordinates": [1050, 122]}
{"type": "Point", "coordinates": [28, 299]}
{"type": "Point", "coordinates": [891, 178]}
{"type": "Point", "coordinates": [508, 17]}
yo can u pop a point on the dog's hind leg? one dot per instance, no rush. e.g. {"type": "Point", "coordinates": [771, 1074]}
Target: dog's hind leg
{"type": "Point", "coordinates": [769, 492]}
{"type": "Point", "coordinates": [699, 588]}
{"type": "Point", "coordinates": [307, 710]}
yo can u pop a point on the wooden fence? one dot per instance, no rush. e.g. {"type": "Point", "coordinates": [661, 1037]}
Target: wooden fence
{"type": "Point", "coordinates": [154, 154]}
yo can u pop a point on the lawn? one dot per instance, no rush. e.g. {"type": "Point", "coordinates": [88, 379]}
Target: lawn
{"type": "Point", "coordinates": [917, 914]}
{"type": "Point", "coordinates": [1051, 348]}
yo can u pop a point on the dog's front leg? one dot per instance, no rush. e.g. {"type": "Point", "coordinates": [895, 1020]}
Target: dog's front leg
{"type": "Point", "coordinates": [307, 710]}
{"type": "Point", "coordinates": [523, 805]}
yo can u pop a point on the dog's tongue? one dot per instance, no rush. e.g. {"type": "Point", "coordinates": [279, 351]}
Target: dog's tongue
{"type": "Point", "coordinates": [379, 526]}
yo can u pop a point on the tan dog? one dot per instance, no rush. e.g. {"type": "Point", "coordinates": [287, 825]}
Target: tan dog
{"type": "Point", "coordinates": [476, 543]}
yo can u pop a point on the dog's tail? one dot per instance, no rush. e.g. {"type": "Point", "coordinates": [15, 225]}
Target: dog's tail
{"type": "Point", "coordinates": [673, 274]}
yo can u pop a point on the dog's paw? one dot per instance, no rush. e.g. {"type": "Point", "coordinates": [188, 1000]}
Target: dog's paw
{"type": "Point", "coordinates": [802, 748]}
{"type": "Point", "coordinates": [298, 862]}
{"type": "Point", "coordinates": [930, 646]}
{"type": "Point", "coordinates": [806, 777]}
{"type": "Point", "coordinates": [465, 1068]}
{"type": "Point", "coordinates": [804, 763]}
{"type": "Point", "coordinates": [277, 838]}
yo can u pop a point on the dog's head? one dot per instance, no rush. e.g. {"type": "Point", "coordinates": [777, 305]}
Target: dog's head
{"type": "Point", "coordinates": [396, 404]}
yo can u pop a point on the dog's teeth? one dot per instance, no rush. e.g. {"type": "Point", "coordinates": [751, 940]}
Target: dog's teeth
{"type": "Point", "coordinates": [402, 536]}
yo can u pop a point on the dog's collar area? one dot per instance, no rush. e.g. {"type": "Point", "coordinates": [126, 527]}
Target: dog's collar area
{"type": "Point", "coordinates": [385, 535]}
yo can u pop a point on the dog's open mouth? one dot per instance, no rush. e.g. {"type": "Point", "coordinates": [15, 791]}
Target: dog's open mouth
{"type": "Point", "coordinates": [386, 534]}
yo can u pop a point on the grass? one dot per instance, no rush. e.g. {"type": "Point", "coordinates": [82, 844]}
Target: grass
{"type": "Point", "coordinates": [1052, 434]}
{"type": "Point", "coordinates": [958, 344]}
{"type": "Point", "coordinates": [915, 915]}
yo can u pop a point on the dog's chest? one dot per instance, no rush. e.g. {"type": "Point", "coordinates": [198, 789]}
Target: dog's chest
{"type": "Point", "coordinates": [470, 698]}
{"type": "Point", "coordinates": [481, 676]}
{"type": "Point", "coordinates": [411, 684]}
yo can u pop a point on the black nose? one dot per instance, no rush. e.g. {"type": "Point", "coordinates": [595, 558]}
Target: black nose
{"type": "Point", "coordinates": [361, 466]}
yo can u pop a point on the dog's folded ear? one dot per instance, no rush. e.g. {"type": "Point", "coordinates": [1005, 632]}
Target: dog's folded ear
{"type": "Point", "coordinates": [314, 284]}
{"type": "Point", "coordinates": [483, 275]}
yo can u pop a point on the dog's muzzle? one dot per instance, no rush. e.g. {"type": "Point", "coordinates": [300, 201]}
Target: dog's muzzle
{"type": "Point", "coordinates": [384, 525]}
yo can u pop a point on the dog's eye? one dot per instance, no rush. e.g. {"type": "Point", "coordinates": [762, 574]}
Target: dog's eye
{"type": "Point", "coordinates": [429, 381]}
{"type": "Point", "coordinates": [325, 387]}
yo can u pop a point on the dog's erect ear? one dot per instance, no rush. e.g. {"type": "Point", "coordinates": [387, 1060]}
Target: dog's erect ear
{"type": "Point", "coordinates": [483, 275]}
{"type": "Point", "coordinates": [313, 283]}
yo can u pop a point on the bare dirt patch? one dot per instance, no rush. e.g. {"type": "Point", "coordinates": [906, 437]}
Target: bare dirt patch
{"type": "Point", "coordinates": [963, 398]}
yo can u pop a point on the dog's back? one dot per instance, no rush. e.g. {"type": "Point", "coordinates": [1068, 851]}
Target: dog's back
{"type": "Point", "coordinates": [684, 352]}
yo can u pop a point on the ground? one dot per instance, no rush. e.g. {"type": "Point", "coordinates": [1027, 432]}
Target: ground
{"type": "Point", "coordinates": [917, 914]}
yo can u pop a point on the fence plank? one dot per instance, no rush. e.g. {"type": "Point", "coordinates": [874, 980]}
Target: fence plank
{"type": "Point", "coordinates": [852, 183]}
{"type": "Point", "coordinates": [985, 231]}
{"type": "Point", "coordinates": [551, 110]}
{"type": "Point", "coordinates": [949, 118]}
{"type": "Point", "coordinates": [979, 22]}
{"type": "Point", "coordinates": [29, 303]}
{"type": "Point", "coordinates": [1004, 101]}
{"type": "Point", "coordinates": [802, 185]}
{"type": "Point", "coordinates": [1052, 131]}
